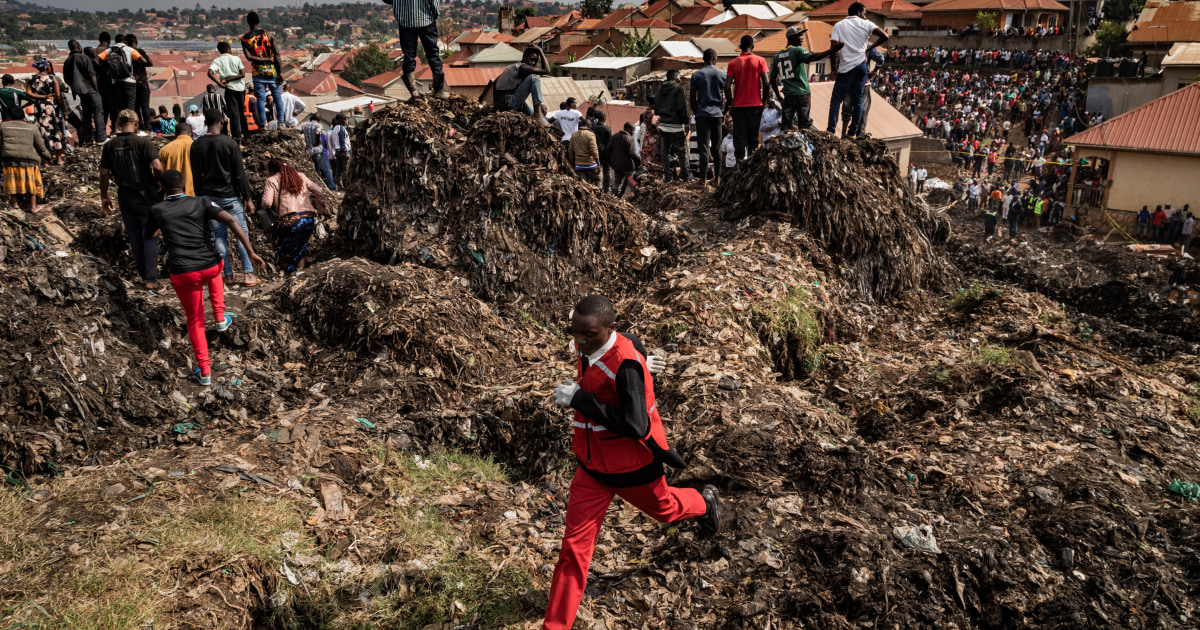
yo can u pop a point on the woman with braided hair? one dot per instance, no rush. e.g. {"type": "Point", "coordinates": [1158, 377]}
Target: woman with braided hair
{"type": "Point", "coordinates": [297, 201]}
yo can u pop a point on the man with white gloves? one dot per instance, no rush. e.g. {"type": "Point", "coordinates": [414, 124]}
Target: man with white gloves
{"type": "Point", "coordinates": [621, 447]}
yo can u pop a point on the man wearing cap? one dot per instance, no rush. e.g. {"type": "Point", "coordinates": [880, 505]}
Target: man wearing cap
{"type": "Point", "coordinates": [132, 161]}
{"type": "Point", "coordinates": [177, 156]}
{"type": "Point", "coordinates": [745, 92]}
{"type": "Point", "coordinates": [791, 67]}
{"type": "Point", "coordinates": [850, 64]}
{"type": "Point", "coordinates": [195, 120]}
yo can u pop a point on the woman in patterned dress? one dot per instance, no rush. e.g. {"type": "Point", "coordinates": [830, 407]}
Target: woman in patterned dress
{"type": "Point", "coordinates": [48, 112]}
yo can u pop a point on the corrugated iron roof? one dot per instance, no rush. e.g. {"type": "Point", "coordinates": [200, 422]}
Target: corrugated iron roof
{"type": "Point", "coordinates": [815, 40]}
{"type": "Point", "coordinates": [500, 53]}
{"type": "Point", "coordinates": [883, 7]}
{"type": "Point", "coordinates": [749, 21]}
{"type": "Point", "coordinates": [993, 5]}
{"type": "Point", "coordinates": [533, 34]}
{"type": "Point", "coordinates": [1160, 126]}
{"type": "Point", "coordinates": [694, 15]}
{"type": "Point", "coordinates": [617, 17]}
{"type": "Point", "coordinates": [1171, 23]}
{"type": "Point", "coordinates": [1183, 54]}
{"type": "Point", "coordinates": [464, 77]}
{"type": "Point", "coordinates": [734, 35]}
{"type": "Point", "coordinates": [884, 123]}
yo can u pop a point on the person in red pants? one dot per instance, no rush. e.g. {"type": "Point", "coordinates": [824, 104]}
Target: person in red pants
{"type": "Point", "coordinates": [621, 447]}
{"type": "Point", "coordinates": [193, 260]}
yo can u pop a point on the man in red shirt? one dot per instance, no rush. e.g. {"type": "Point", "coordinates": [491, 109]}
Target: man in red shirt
{"type": "Point", "coordinates": [747, 89]}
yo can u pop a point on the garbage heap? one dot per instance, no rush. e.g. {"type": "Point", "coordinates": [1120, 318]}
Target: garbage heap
{"type": "Point", "coordinates": [420, 317]}
{"type": "Point", "coordinates": [850, 196]}
{"type": "Point", "coordinates": [492, 200]}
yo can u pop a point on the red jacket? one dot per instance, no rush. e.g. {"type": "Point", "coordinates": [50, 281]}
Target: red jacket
{"type": "Point", "coordinates": [1159, 217]}
{"type": "Point", "coordinates": [600, 450]}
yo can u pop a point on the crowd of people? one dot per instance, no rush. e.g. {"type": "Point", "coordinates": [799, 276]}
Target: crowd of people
{"type": "Point", "coordinates": [718, 119]}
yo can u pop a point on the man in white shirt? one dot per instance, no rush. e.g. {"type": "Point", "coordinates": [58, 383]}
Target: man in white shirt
{"type": "Point", "coordinates": [196, 119]}
{"type": "Point", "coordinates": [851, 65]}
{"type": "Point", "coordinates": [568, 119]}
{"type": "Point", "coordinates": [922, 174]}
{"type": "Point", "coordinates": [292, 106]}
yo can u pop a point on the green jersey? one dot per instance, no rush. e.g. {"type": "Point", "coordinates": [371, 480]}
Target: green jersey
{"type": "Point", "coordinates": [791, 67]}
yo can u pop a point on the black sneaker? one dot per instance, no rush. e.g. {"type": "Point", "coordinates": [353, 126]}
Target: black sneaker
{"type": "Point", "coordinates": [711, 521]}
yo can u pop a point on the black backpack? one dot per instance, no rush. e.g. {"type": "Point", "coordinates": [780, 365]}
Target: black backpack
{"type": "Point", "coordinates": [118, 64]}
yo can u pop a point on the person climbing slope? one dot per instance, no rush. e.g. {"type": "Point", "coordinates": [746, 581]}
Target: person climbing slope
{"type": "Point", "coordinates": [193, 260]}
{"type": "Point", "coordinates": [621, 446]}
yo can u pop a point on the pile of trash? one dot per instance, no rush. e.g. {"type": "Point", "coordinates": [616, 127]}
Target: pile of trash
{"type": "Point", "coordinates": [285, 144]}
{"type": "Point", "coordinates": [494, 205]}
{"type": "Point", "coordinates": [74, 373]}
{"type": "Point", "coordinates": [422, 318]}
{"type": "Point", "coordinates": [851, 197]}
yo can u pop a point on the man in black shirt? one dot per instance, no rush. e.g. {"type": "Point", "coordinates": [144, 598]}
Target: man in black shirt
{"type": "Point", "coordinates": [132, 161]}
{"type": "Point", "coordinates": [603, 138]}
{"type": "Point", "coordinates": [104, 83]}
{"type": "Point", "coordinates": [519, 82]}
{"type": "Point", "coordinates": [193, 261]}
{"type": "Point", "coordinates": [218, 173]}
{"type": "Point", "coordinates": [79, 71]}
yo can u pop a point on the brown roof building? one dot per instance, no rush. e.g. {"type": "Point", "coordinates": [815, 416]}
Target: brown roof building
{"type": "Point", "coordinates": [1162, 24]}
{"type": "Point", "coordinates": [1150, 154]}
{"type": "Point", "coordinates": [959, 14]}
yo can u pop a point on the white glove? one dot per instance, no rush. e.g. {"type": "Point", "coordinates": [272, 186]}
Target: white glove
{"type": "Point", "coordinates": [657, 364]}
{"type": "Point", "coordinates": [565, 392]}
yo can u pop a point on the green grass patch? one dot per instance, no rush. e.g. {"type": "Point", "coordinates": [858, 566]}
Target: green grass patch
{"type": "Point", "coordinates": [991, 354]}
{"type": "Point", "coordinates": [669, 331]}
{"type": "Point", "coordinates": [796, 320]}
{"type": "Point", "coordinates": [970, 298]}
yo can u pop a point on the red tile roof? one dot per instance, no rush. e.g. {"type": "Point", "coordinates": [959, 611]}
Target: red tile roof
{"type": "Point", "coordinates": [319, 82]}
{"type": "Point", "coordinates": [488, 37]}
{"type": "Point", "coordinates": [1159, 126]}
{"type": "Point", "coordinates": [564, 55]}
{"type": "Point", "coordinates": [384, 79]}
{"type": "Point", "coordinates": [459, 57]}
{"type": "Point", "coordinates": [656, 7]}
{"type": "Point", "coordinates": [647, 23]}
{"type": "Point", "coordinates": [463, 77]}
{"type": "Point", "coordinates": [342, 83]}
{"type": "Point", "coordinates": [694, 15]}
{"type": "Point", "coordinates": [620, 17]}
{"type": "Point", "coordinates": [883, 7]}
{"type": "Point", "coordinates": [992, 5]}
{"type": "Point", "coordinates": [534, 21]}
{"type": "Point", "coordinates": [751, 22]}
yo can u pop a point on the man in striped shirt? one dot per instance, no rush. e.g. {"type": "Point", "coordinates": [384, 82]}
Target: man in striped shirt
{"type": "Point", "coordinates": [417, 20]}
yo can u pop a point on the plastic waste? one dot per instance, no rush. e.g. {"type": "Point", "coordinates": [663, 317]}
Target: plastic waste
{"type": "Point", "coordinates": [1186, 489]}
{"type": "Point", "coordinates": [917, 537]}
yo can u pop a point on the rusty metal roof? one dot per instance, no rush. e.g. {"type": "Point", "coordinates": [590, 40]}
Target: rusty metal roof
{"type": "Point", "coordinates": [883, 7]}
{"type": "Point", "coordinates": [993, 5]}
{"type": "Point", "coordinates": [1175, 22]}
{"type": "Point", "coordinates": [1164, 125]}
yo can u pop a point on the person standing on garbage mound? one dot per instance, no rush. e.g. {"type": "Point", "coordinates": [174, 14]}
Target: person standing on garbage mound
{"type": "Point", "coordinates": [621, 447]}
{"type": "Point", "coordinates": [193, 259]}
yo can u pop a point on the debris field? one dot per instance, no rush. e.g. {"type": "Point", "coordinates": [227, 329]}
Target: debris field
{"type": "Point", "coordinates": [911, 428]}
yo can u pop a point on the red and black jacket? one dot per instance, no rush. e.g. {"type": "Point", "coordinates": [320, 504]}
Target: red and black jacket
{"type": "Point", "coordinates": [619, 437]}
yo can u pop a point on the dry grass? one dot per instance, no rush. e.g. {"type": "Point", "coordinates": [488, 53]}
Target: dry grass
{"type": "Point", "coordinates": [80, 561]}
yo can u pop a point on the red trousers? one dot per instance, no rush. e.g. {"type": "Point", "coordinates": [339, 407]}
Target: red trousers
{"type": "Point", "coordinates": [585, 514]}
{"type": "Point", "coordinates": [190, 289]}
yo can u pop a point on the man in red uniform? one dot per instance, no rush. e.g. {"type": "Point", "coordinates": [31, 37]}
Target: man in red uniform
{"type": "Point", "coordinates": [621, 447]}
{"type": "Point", "coordinates": [747, 90]}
